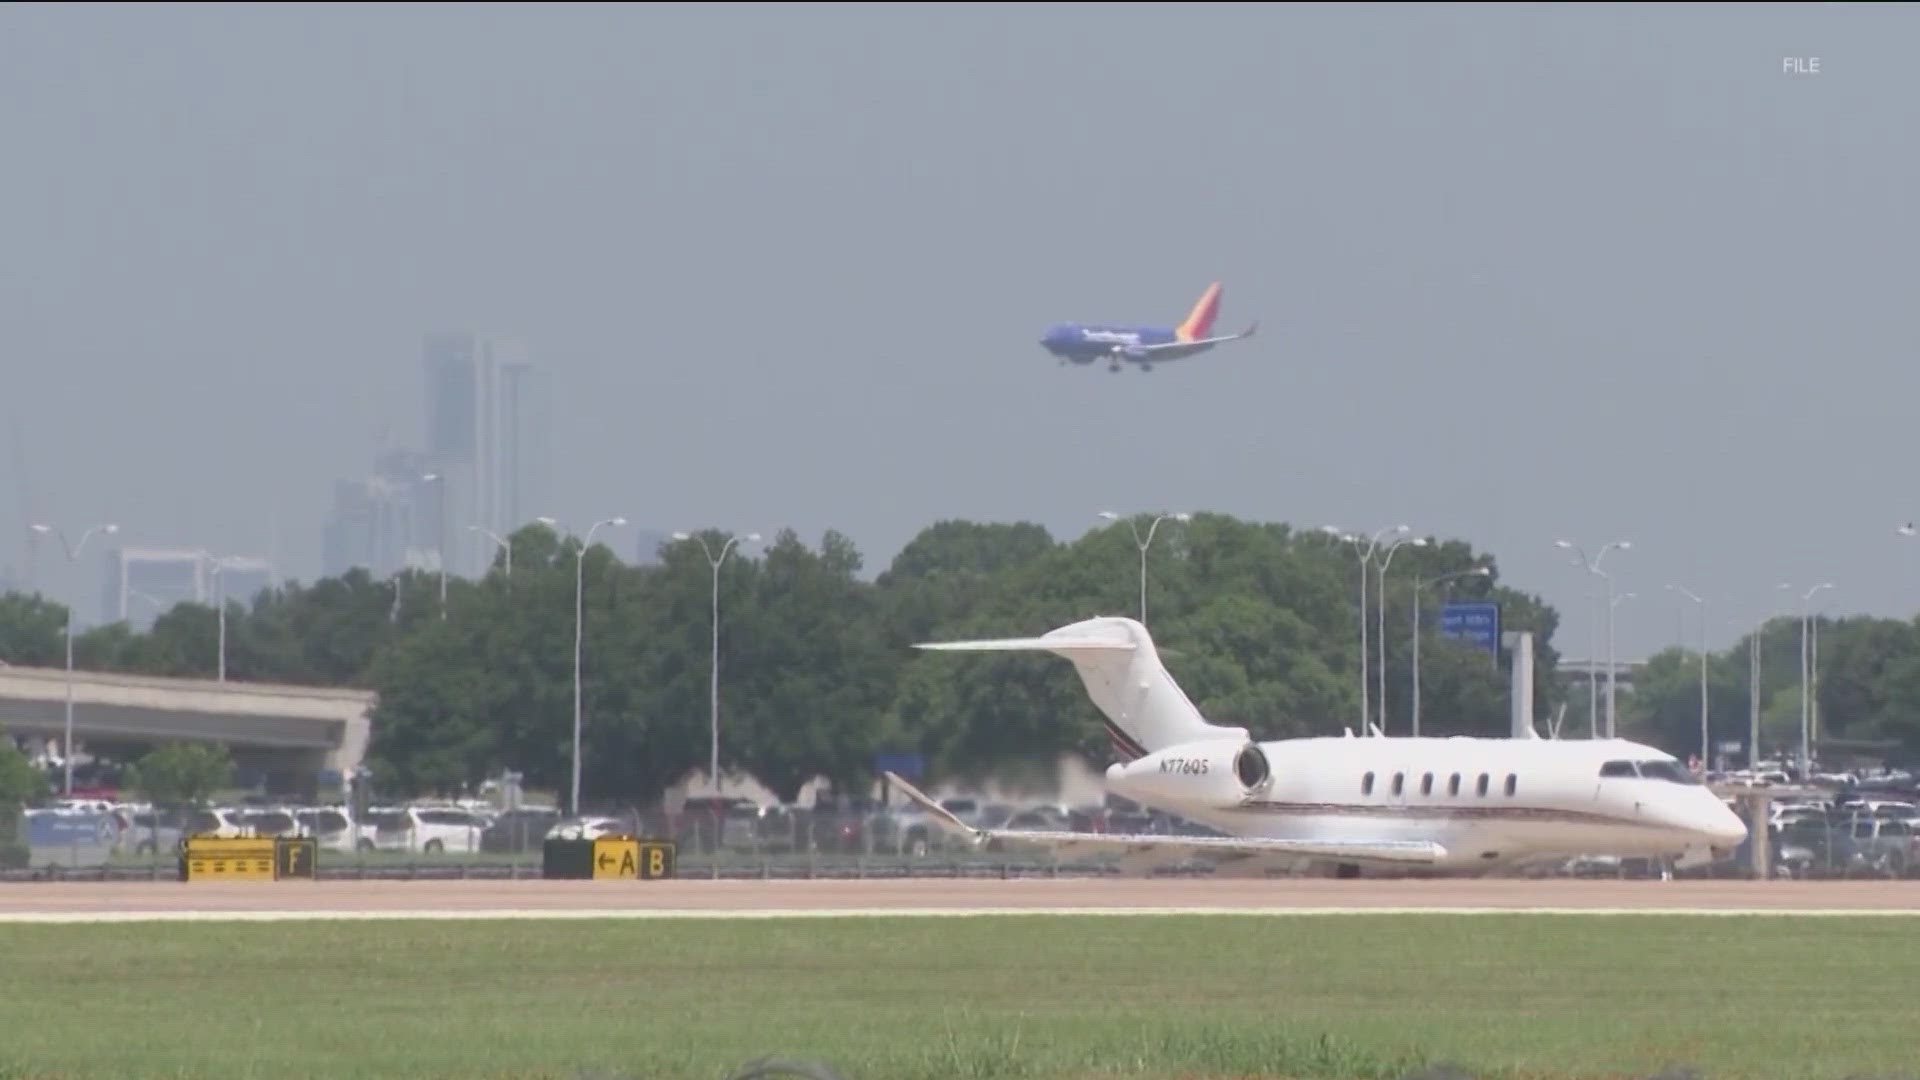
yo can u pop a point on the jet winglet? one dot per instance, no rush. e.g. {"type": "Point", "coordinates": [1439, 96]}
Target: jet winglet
{"type": "Point", "coordinates": [941, 815]}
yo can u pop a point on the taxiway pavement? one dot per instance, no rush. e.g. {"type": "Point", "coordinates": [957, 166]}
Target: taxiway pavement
{"type": "Point", "coordinates": [139, 901]}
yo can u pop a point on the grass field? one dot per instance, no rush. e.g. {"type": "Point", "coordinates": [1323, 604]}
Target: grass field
{"type": "Point", "coordinates": [1015, 997]}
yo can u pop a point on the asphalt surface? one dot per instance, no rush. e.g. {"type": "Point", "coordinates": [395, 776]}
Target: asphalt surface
{"type": "Point", "coordinates": [81, 901]}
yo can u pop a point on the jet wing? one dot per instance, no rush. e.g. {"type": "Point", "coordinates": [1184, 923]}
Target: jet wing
{"type": "Point", "coordinates": [1138, 848]}
{"type": "Point", "coordinates": [1151, 349]}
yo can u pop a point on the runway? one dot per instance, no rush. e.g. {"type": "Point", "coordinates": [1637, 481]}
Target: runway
{"type": "Point", "coordinates": [41, 902]}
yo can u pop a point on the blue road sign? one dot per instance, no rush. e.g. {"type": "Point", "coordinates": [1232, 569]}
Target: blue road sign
{"type": "Point", "coordinates": [1477, 622]}
{"type": "Point", "coordinates": [909, 766]}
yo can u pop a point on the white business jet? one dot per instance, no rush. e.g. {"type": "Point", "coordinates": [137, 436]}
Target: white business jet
{"type": "Point", "coordinates": [1352, 807]}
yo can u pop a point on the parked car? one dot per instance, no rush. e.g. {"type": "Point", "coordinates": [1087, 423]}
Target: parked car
{"type": "Point", "coordinates": [152, 832]}
{"type": "Point", "coordinates": [524, 829]}
{"type": "Point", "coordinates": [223, 822]}
{"type": "Point", "coordinates": [589, 828]}
{"type": "Point", "coordinates": [332, 829]}
{"type": "Point", "coordinates": [426, 830]}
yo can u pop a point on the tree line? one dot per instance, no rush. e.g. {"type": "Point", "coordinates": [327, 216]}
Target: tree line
{"type": "Point", "coordinates": [816, 667]}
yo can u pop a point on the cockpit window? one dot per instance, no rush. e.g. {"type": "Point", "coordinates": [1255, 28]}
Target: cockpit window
{"type": "Point", "coordinates": [1671, 771]}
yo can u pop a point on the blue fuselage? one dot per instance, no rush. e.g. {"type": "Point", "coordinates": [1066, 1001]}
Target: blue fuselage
{"type": "Point", "coordinates": [1086, 342]}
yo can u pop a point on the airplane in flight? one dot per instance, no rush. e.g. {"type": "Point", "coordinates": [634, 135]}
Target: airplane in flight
{"type": "Point", "coordinates": [1356, 806]}
{"type": "Point", "coordinates": [1083, 343]}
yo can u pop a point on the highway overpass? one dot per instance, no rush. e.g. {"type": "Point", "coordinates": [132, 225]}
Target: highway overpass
{"type": "Point", "coordinates": [295, 739]}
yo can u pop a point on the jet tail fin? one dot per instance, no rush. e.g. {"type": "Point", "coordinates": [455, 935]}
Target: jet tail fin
{"type": "Point", "coordinates": [1145, 710]}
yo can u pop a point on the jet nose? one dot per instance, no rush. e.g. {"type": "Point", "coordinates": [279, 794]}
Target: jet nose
{"type": "Point", "coordinates": [1724, 828]}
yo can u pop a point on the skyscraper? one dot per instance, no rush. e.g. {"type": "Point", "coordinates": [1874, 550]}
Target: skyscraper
{"type": "Point", "coordinates": [387, 522]}
{"type": "Point", "coordinates": [488, 425]}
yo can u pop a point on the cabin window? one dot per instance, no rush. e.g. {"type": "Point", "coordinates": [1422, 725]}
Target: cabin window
{"type": "Point", "coordinates": [1618, 769]}
{"type": "Point", "coordinates": [1366, 784]}
{"type": "Point", "coordinates": [1426, 784]}
{"type": "Point", "coordinates": [1512, 783]}
{"type": "Point", "coordinates": [1453, 785]}
{"type": "Point", "coordinates": [1482, 788]}
{"type": "Point", "coordinates": [1398, 782]}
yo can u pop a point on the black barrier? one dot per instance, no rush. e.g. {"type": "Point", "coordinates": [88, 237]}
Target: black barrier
{"type": "Point", "coordinates": [617, 857]}
{"type": "Point", "coordinates": [566, 859]}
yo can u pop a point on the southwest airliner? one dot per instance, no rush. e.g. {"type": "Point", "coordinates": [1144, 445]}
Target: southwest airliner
{"type": "Point", "coordinates": [1083, 343]}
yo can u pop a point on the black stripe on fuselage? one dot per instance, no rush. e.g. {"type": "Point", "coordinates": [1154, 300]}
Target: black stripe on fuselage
{"type": "Point", "coordinates": [1430, 812]}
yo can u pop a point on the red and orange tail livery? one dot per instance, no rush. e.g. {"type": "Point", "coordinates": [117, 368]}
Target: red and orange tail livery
{"type": "Point", "coordinates": [1200, 319]}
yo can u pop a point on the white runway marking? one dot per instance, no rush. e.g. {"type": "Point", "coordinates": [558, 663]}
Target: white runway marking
{"type": "Point", "coordinates": [69, 917]}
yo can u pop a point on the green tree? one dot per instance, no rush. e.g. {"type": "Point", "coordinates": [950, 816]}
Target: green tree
{"type": "Point", "coordinates": [20, 785]}
{"type": "Point", "coordinates": [181, 775]}
{"type": "Point", "coordinates": [32, 630]}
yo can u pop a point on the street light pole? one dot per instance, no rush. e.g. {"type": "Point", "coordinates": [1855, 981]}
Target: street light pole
{"type": "Point", "coordinates": [440, 535]}
{"type": "Point", "coordinates": [1807, 678]}
{"type": "Point", "coordinates": [713, 768]}
{"type": "Point", "coordinates": [1478, 571]}
{"type": "Point", "coordinates": [1365, 556]}
{"type": "Point", "coordinates": [220, 599]}
{"type": "Point", "coordinates": [1593, 567]}
{"type": "Point", "coordinates": [73, 555]}
{"type": "Point", "coordinates": [1380, 601]}
{"type": "Point", "coordinates": [504, 544]}
{"type": "Point", "coordinates": [1754, 653]}
{"type": "Point", "coordinates": [1705, 746]}
{"type": "Point", "coordinates": [579, 631]}
{"type": "Point", "coordinates": [1143, 545]}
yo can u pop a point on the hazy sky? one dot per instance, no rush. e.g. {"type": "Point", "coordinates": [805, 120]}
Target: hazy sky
{"type": "Point", "coordinates": [1522, 273]}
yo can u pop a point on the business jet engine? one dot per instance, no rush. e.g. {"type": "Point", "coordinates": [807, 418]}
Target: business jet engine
{"type": "Point", "coordinates": [1212, 773]}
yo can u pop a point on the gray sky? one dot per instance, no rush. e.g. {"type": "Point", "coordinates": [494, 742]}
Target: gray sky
{"type": "Point", "coordinates": [1522, 272]}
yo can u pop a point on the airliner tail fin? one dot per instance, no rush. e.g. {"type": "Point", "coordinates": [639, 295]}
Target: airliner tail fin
{"type": "Point", "coordinates": [1199, 321]}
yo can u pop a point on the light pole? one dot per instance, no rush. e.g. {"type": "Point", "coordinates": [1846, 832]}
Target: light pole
{"type": "Point", "coordinates": [220, 600]}
{"type": "Point", "coordinates": [1380, 602]}
{"type": "Point", "coordinates": [1613, 667]}
{"type": "Point", "coordinates": [713, 768]}
{"type": "Point", "coordinates": [1807, 663]}
{"type": "Point", "coordinates": [1593, 567]}
{"type": "Point", "coordinates": [1754, 650]}
{"type": "Point", "coordinates": [504, 544]}
{"type": "Point", "coordinates": [440, 534]}
{"type": "Point", "coordinates": [1365, 555]}
{"type": "Point", "coordinates": [1478, 571]}
{"type": "Point", "coordinates": [73, 554]}
{"type": "Point", "coordinates": [1143, 545]}
{"type": "Point", "coordinates": [1705, 747]}
{"type": "Point", "coordinates": [579, 629]}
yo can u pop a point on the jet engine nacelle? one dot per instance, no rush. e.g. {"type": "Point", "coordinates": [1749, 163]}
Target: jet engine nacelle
{"type": "Point", "coordinates": [1215, 773]}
